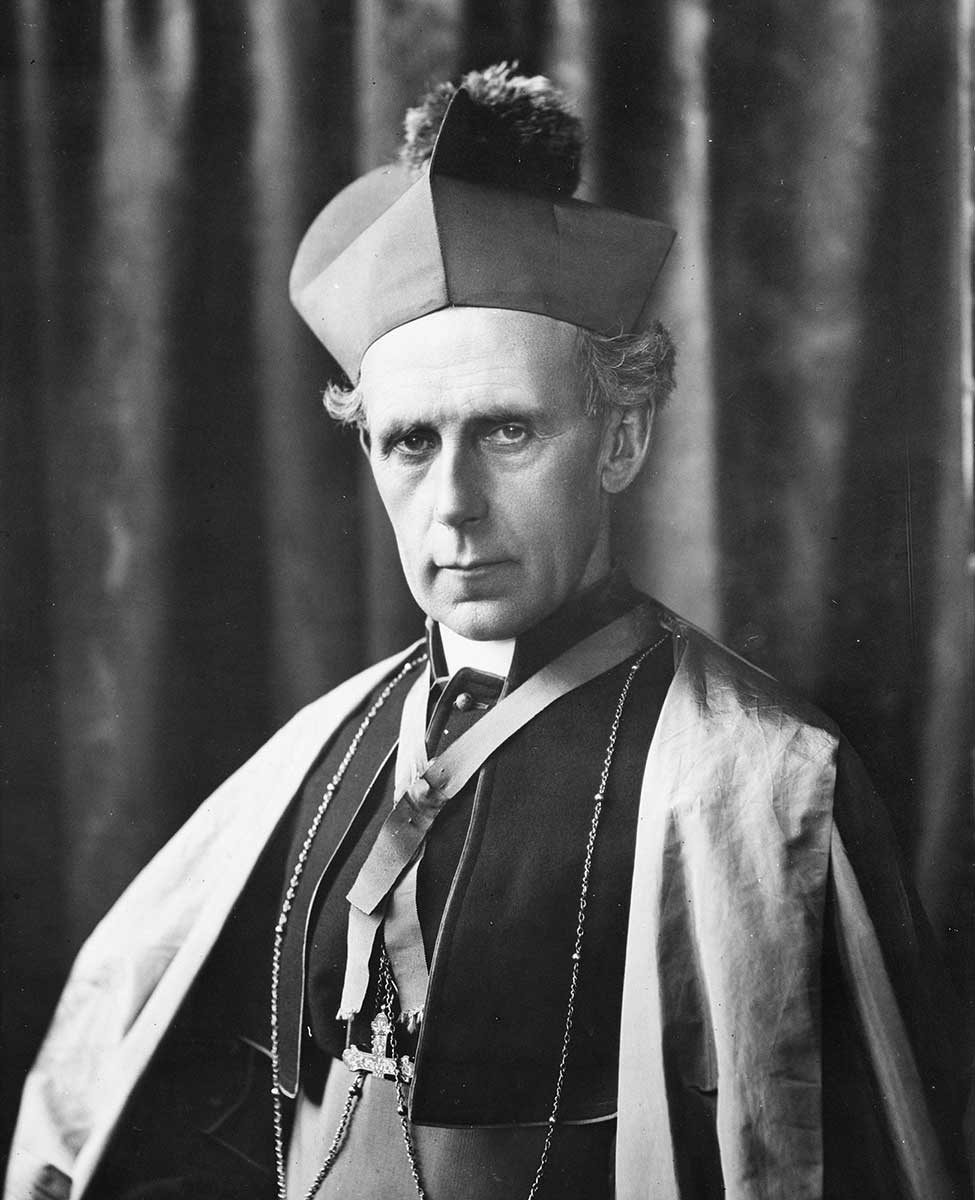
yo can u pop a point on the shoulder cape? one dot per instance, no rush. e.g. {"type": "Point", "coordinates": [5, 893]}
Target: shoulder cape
{"type": "Point", "coordinates": [751, 804]}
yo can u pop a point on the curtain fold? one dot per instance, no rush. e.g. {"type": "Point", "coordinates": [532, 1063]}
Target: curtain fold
{"type": "Point", "coordinates": [191, 551]}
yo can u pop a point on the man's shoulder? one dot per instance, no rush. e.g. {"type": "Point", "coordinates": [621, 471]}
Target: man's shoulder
{"type": "Point", "coordinates": [726, 690]}
{"type": "Point", "coordinates": [736, 744]}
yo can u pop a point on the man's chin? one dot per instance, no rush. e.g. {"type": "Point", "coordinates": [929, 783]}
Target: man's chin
{"type": "Point", "coordinates": [483, 620]}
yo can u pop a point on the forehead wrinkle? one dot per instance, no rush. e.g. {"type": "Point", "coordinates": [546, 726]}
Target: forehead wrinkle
{"type": "Point", "coordinates": [431, 397]}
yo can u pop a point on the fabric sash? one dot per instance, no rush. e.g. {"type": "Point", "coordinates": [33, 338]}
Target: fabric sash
{"type": "Point", "coordinates": [431, 783]}
{"type": "Point", "coordinates": [401, 930]}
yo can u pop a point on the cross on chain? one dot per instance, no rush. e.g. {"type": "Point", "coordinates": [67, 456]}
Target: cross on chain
{"type": "Point", "coordinates": [379, 1062]}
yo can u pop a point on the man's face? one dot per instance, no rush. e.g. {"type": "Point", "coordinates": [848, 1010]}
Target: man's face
{"type": "Point", "coordinates": [488, 466]}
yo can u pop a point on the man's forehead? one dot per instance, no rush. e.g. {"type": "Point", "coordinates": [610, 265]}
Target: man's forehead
{"type": "Point", "coordinates": [462, 336]}
{"type": "Point", "coordinates": [469, 362]}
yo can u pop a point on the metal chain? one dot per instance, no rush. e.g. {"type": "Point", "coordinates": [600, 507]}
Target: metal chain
{"type": "Point", "coordinates": [388, 988]}
{"type": "Point", "coordinates": [351, 1101]}
{"type": "Point", "coordinates": [402, 1105]}
{"type": "Point", "coordinates": [356, 1089]}
{"type": "Point", "coordinates": [581, 919]}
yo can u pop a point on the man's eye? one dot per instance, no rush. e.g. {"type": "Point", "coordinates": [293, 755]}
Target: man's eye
{"type": "Point", "coordinates": [414, 443]}
{"type": "Point", "coordinates": [508, 435]}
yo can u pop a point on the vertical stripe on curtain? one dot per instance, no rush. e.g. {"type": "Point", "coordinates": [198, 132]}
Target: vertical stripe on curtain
{"type": "Point", "coordinates": [191, 551]}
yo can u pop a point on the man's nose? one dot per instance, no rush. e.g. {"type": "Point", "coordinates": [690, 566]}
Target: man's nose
{"type": "Point", "coordinates": [460, 493]}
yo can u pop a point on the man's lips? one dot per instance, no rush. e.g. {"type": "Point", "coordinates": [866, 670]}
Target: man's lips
{"type": "Point", "coordinates": [472, 566]}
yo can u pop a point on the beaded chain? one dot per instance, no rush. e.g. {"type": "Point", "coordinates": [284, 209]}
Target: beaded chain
{"type": "Point", "coordinates": [402, 1100]}
{"type": "Point", "coordinates": [386, 977]}
{"type": "Point", "coordinates": [282, 923]}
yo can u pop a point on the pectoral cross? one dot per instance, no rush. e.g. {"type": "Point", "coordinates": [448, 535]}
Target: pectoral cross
{"type": "Point", "coordinates": [379, 1061]}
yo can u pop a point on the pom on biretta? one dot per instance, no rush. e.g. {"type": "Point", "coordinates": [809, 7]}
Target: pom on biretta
{"type": "Point", "coordinates": [488, 222]}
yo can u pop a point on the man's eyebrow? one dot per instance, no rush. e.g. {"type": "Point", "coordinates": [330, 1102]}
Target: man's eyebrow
{"type": "Point", "coordinates": [503, 411]}
{"type": "Point", "coordinates": [395, 428]}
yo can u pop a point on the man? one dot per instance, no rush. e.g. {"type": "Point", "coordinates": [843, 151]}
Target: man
{"type": "Point", "coordinates": [565, 900]}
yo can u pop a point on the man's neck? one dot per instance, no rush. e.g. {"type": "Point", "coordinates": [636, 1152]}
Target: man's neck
{"type": "Point", "coordinates": [518, 658]}
{"type": "Point", "coordinates": [492, 657]}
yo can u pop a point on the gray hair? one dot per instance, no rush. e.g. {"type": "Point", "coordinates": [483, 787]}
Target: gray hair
{"type": "Point", "coordinates": [625, 371]}
{"type": "Point", "coordinates": [628, 370]}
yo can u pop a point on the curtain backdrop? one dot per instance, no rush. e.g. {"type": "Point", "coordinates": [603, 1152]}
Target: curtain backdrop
{"type": "Point", "coordinates": [190, 551]}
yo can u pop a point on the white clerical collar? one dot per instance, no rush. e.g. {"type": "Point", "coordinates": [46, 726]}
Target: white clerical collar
{"type": "Point", "coordinates": [492, 657]}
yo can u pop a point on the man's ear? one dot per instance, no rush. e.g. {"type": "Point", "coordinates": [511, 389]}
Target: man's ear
{"type": "Point", "coordinates": [364, 440]}
{"type": "Point", "coordinates": [626, 440]}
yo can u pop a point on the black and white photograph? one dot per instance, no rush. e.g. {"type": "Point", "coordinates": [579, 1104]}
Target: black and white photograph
{"type": "Point", "coordinates": [487, 696]}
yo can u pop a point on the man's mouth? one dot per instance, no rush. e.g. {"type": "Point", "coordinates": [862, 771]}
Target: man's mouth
{"type": "Point", "coordinates": [472, 566]}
